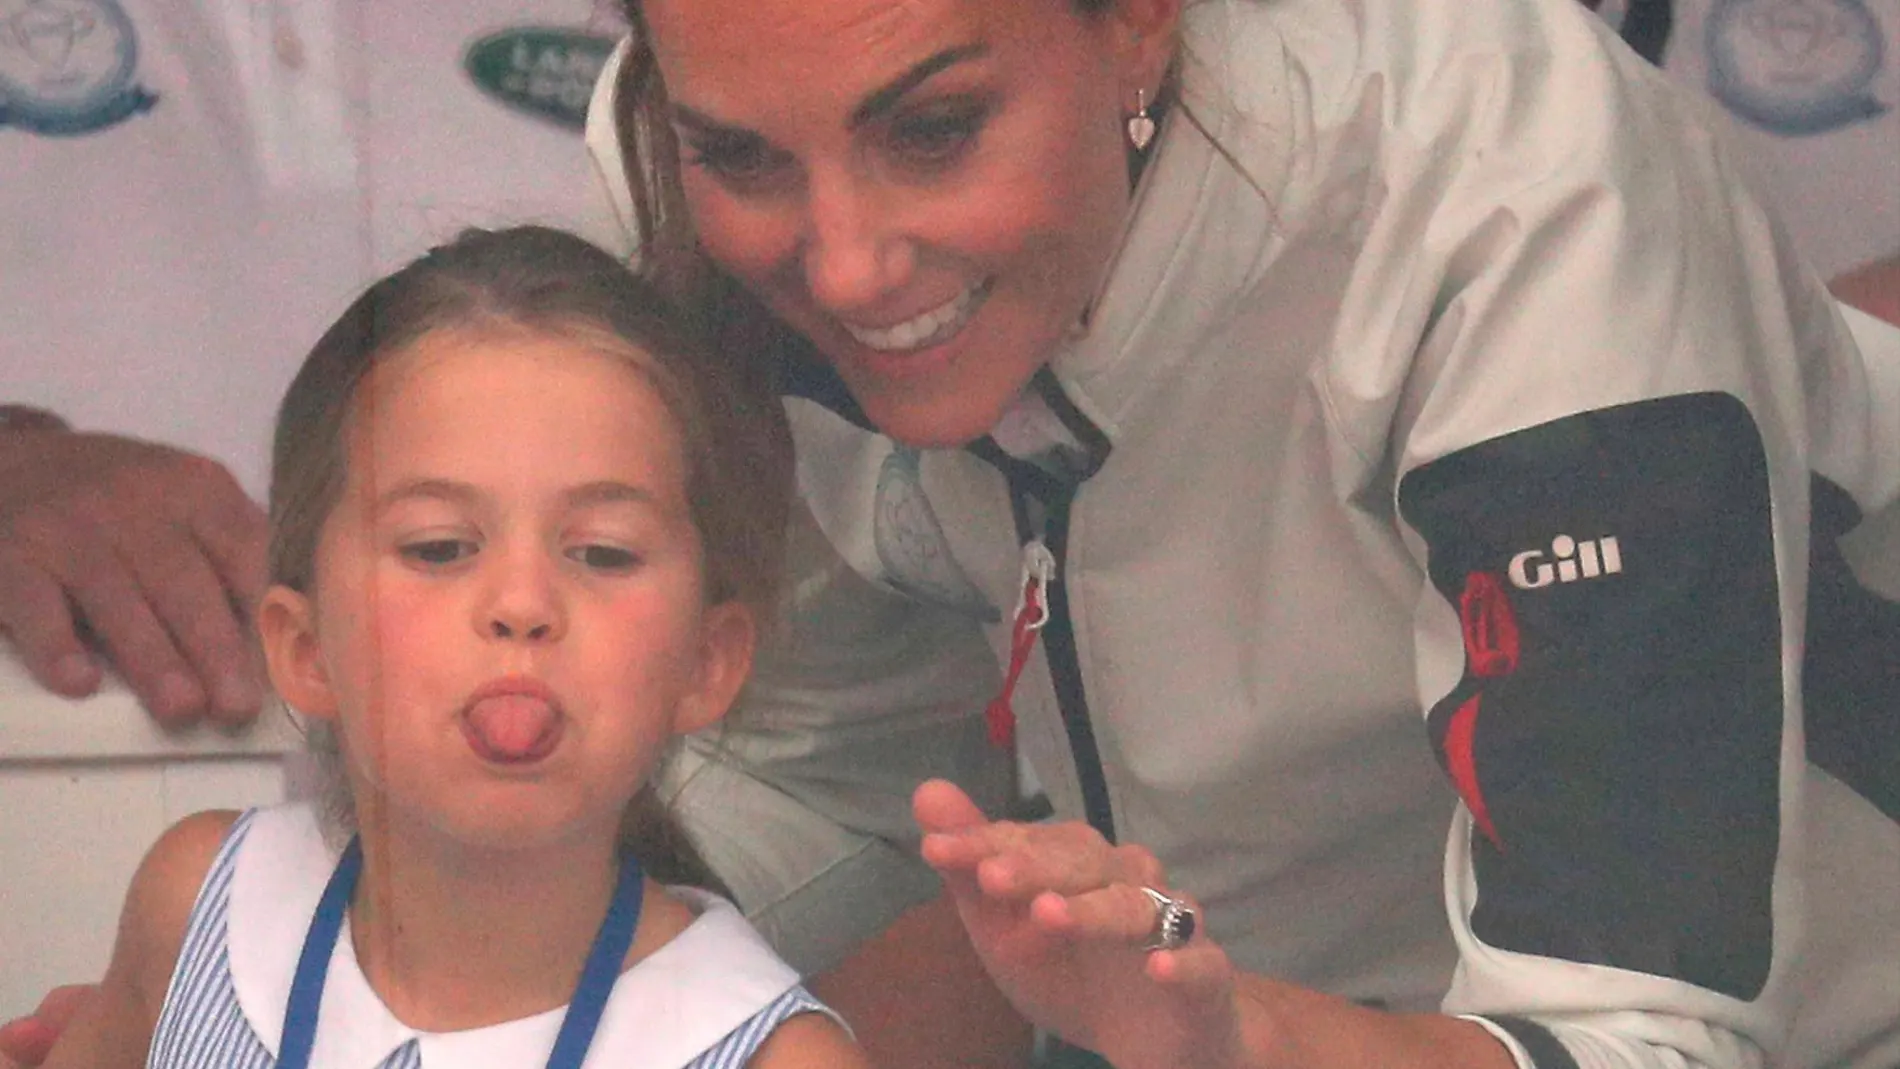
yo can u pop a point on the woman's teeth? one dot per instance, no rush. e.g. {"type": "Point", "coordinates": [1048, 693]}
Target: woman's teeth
{"type": "Point", "coordinates": [934, 326]}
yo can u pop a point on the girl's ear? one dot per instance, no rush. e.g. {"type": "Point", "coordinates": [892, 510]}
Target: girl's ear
{"type": "Point", "coordinates": [286, 623]}
{"type": "Point", "coordinates": [729, 637]}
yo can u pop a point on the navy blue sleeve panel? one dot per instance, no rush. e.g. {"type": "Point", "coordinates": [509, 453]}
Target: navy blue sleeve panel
{"type": "Point", "coordinates": [1850, 675]}
{"type": "Point", "coordinates": [1617, 731]}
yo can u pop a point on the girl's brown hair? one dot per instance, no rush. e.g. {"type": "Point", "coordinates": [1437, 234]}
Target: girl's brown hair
{"type": "Point", "coordinates": [735, 441]}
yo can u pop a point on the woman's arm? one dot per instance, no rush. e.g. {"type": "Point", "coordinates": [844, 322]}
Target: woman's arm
{"type": "Point", "coordinates": [114, 1028]}
{"type": "Point", "coordinates": [917, 996]}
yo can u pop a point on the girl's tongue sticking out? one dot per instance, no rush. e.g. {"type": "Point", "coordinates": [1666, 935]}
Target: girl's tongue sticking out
{"type": "Point", "coordinates": [512, 728]}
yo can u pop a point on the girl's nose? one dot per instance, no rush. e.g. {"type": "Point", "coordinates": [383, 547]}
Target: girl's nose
{"type": "Point", "coordinates": [523, 604]}
{"type": "Point", "coordinates": [533, 632]}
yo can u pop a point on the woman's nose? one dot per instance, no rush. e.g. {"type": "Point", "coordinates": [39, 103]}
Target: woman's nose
{"type": "Point", "coordinates": [856, 253]}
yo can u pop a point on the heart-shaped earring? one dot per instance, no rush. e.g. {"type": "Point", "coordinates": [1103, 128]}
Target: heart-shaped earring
{"type": "Point", "coordinates": [1141, 125]}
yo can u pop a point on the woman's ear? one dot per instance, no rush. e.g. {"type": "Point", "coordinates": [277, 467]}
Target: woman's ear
{"type": "Point", "coordinates": [1150, 33]}
{"type": "Point", "coordinates": [286, 623]}
{"type": "Point", "coordinates": [729, 637]}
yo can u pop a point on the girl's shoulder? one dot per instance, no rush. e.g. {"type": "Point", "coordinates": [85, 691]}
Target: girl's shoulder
{"type": "Point", "coordinates": [166, 885]}
{"type": "Point", "coordinates": [190, 844]}
{"type": "Point", "coordinates": [159, 902]}
{"type": "Point", "coordinates": [116, 1026]}
{"type": "Point", "coordinates": [809, 1039]}
{"type": "Point", "coordinates": [194, 866]}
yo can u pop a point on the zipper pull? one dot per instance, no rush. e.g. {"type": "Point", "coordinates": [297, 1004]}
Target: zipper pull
{"type": "Point", "coordinates": [1039, 570]}
{"type": "Point", "coordinates": [1032, 613]}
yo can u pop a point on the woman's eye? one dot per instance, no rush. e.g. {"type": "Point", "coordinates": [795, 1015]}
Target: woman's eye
{"type": "Point", "coordinates": [937, 136]}
{"type": "Point", "coordinates": [741, 161]}
{"type": "Point", "coordinates": [438, 551]}
{"type": "Point", "coordinates": [604, 558]}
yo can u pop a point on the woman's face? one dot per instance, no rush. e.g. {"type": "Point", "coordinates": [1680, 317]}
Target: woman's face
{"type": "Point", "coordinates": [928, 189]}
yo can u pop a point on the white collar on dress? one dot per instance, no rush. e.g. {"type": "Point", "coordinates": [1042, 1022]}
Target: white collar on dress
{"type": "Point", "coordinates": [663, 1012]}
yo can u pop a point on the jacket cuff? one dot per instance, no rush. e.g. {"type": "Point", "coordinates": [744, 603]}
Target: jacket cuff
{"type": "Point", "coordinates": [1530, 1043]}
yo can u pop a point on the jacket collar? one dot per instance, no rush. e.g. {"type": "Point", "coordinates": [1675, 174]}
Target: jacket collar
{"type": "Point", "coordinates": [1202, 226]}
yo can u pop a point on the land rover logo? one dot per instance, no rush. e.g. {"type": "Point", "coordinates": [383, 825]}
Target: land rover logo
{"type": "Point", "coordinates": [547, 72]}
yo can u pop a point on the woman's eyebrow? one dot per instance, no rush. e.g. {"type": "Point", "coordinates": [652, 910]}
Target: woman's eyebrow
{"type": "Point", "coordinates": [880, 101]}
{"type": "Point", "coordinates": [703, 123]}
{"type": "Point", "coordinates": [875, 104]}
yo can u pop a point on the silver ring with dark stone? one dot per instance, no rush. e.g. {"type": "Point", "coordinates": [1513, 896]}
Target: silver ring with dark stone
{"type": "Point", "coordinates": [1175, 921]}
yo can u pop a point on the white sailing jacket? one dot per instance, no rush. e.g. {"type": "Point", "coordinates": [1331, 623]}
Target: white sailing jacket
{"type": "Point", "coordinates": [1447, 436]}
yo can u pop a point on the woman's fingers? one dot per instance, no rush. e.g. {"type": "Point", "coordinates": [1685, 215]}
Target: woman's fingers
{"type": "Point", "coordinates": [941, 806]}
{"type": "Point", "coordinates": [1199, 966]}
{"type": "Point", "coordinates": [1019, 861]}
{"type": "Point", "coordinates": [1118, 913]}
{"type": "Point", "coordinates": [1125, 916]}
{"type": "Point", "coordinates": [1198, 980]}
{"type": "Point", "coordinates": [1069, 859]}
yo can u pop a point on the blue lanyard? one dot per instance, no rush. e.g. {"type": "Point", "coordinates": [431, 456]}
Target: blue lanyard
{"type": "Point", "coordinates": [583, 1011]}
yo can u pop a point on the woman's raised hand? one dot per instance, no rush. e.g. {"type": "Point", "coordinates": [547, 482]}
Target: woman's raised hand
{"type": "Point", "coordinates": [1059, 917]}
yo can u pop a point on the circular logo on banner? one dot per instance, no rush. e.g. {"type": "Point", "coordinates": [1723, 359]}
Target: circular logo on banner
{"type": "Point", "coordinates": [1796, 67]}
{"type": "Point", "coordinates": [66, 66]}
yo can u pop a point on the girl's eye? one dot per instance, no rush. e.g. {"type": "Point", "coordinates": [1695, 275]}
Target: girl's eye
{"type": "Point", "coordinates": [438, 551]}
{"type": "Point", "coordinates": [741, 161]}
{"type": "Point", "coordinates": [939, 135]}
{"type": "Point", "coordinates": [604, 558]}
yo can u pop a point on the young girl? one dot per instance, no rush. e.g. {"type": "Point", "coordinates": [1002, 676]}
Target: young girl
{"type": "Point", "coordinates": [522, 532]}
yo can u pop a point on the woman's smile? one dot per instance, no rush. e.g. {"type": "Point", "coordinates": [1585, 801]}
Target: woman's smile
{"type": "Point", "coordinates": [933, 327]}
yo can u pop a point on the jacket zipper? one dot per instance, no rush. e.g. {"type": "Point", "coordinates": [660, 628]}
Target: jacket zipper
{"type": "Point", "coordinates": [1058, 636]}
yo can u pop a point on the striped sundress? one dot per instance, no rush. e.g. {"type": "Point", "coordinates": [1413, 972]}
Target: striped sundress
{"type": "Point", "coordinates": [706, 1000]}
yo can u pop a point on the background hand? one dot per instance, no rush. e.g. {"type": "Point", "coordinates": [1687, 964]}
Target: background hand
{"type": "Point", "coordinates": [156, 552]}
{"type": "Point", "coordinates": [25, 1043]}
{"type": "Point", "coordinates": [1058, 917]}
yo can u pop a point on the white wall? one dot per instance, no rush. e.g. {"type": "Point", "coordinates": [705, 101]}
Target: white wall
{"type": "Point", "coordinates": [85, 788]}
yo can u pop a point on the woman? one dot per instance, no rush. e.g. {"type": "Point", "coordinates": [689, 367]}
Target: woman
{"type": "Point", "coordinates": [1417, 364]}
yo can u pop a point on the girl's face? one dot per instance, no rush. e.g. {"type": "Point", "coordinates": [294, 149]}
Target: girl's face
{"type": "Point", "coordinates": [508, 621]}
{"type": "Point", "coordinates": [930, 190]}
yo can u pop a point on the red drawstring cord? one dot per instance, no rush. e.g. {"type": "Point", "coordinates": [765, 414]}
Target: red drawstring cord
{"type": "Point", "coordinates": [1032, 612]}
